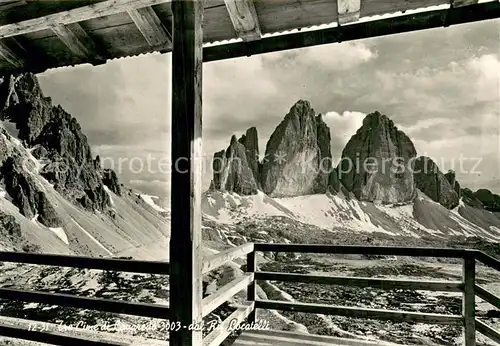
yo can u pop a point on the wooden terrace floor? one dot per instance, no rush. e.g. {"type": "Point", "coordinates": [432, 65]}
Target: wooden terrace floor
{"type": "Point", "coordinates": [281, 338]}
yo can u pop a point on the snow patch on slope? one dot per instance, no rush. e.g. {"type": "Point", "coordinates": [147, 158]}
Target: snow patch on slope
{"type": "Point", "coordinates": [59, 231]}
{"type": "Point", "coordinates": [150, 201]}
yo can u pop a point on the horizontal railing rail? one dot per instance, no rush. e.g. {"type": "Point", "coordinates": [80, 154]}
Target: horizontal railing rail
{"type": "Point", "coordinates": [114, 264]}
{"type": "Point", "coordinates": [226, 292]}
{"type": "Point", "coordinates": [73, 301]}
{"type": "Point", "coordinates": [467, 286]}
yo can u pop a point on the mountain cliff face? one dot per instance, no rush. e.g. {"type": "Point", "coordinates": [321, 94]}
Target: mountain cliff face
{"type": "Point", "coordinates": [297, 160]}
{"type": "Point", "coordinates": [379, 163]}
{"type": "Point", "coordinates": [55, 138]}
{"type": "Point", "coordinates": [376, 162]}
{"type": "Point", "coordinates": [430, 180]}
{"type": "Point", "coordinates": [54, 196]}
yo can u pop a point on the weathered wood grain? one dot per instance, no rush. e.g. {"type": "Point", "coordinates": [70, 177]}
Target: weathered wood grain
{"type": "Point", "coordinates": [77, 41]}
{"type": "Point", "coordinates": [225, 293]}
{"type": "Point", "coordinates": [219, 334]}
{"type": "Point", "coordinates": [469, 300]}
{"type": "Point", "coordinates": [116, 306]}
{"type": "Point", "coordinates": [100, 9]}
{"type": "Point", "coordinates": [348, 11]}
{"type": "Point", "coordinates": [386, 284]}
{"type": "Point", "coordinates": [8, 55]}
{"type": "Point", "coordinates": [397, 316]}
{"type": "Point", "coordinates": [215, 261]}
{"type": "Point", "coordinates": [150, 26]}
{"type": "Point", "coordinates": [486, 330]}
{"type": "Point", "coordinates": [487, 296]}
{"type": "Point", "coordinates": [186, 177]}
{"type": "Point", "coordinates": [244, 18]}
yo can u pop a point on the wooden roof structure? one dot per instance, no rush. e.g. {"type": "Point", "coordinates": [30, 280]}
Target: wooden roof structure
{"type": "Point", "coordinates": [36, 35]}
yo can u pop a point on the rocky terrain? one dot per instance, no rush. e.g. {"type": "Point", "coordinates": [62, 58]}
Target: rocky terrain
{"type": "Point", "coordinates": [55, 197]}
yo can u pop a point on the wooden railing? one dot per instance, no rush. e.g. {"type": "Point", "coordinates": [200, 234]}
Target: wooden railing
{"type": "Point", "coordinates": [246, 311]}
{"type": "Point", "coordinates": [467, 286]}
{"type": "Point", "coordinates": [66, 300]}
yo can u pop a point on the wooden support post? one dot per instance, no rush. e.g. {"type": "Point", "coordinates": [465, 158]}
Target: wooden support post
{"type": "Point", "coordinates": [185, 240]}
{"type": "Point", "coordinates": [469, 301]}
{"type": "Point", "coordinates": [252, 287]}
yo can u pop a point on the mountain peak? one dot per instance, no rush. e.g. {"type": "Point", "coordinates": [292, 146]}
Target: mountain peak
{"type": "Point", "coordinates": [56, 139]}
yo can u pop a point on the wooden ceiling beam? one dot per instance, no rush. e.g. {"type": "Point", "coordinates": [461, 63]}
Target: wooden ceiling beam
{"type": "Point", "coordinates": [80, 14]}
{"type": "Point", "coordinates": [348, 11]}
{"type": "Point", "coordinates": [77, 40]}
{"type": "Point", "coordinates": [244, 18]}
{"type": "Point", "coordinates": [150, 26]}
{"type": "Point", "coordinates": [460, 3]}
{"type": "Point", "coordinates": [8, 55]}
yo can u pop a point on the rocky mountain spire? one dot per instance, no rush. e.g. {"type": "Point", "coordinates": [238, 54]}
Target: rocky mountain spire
{"type": "Point", "coordinates": [376, 162]}
{"type": "Point", "coordinates": [430, 180]}
{"type": "Point", "coordinates": [55, 138]}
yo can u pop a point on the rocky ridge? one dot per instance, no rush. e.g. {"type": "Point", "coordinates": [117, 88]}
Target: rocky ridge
{"type": "Point", "coordinates": [378, 164]}
{"type": "Point", "coordinates": [58, 151]}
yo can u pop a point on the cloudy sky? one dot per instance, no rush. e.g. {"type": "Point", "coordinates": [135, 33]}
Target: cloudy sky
{"type": "Point", "coordinates": [440, 86]}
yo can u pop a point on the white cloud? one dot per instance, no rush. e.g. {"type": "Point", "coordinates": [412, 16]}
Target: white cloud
{"type": "Point", "coordinates": [344, 125]}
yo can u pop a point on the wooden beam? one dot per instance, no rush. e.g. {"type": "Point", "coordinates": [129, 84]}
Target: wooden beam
{"type": "Point", "coordinates": [150, 26]}
{"type": "Point", "coordinates": [215, 261]}
{"type": "Point", "coordinates": [219, 334]}
{"type": "Point", "coordinates": [121, 265]}
{"type": "Point", "coordinates": [486, 330]}
{"type": "Point", "coordinates": [487, 296]}
{"type": "Point", "coordinates": [186, 177]}
{"type": "Point", "coordinates": [51, 337]}
{"type": "Point", "coordinates": [80, 14]}
{"type": "Point", "coordinates": [225, 293]}
{"type": "Point", "coordinates": [348, 11]}
{"type": "Point", "coordinates": [90, 303]}
{"type": "Point", "coordinates": [460, 3]}
{"type": "Point", "coordinates": [385, 284]}
{"type": "Point", "coordinates": [8, 55]}
{"type": "Point", "coordinates": [378, 314]}
{"type": "Point", "coordinates": [469, 301]}
{"type": "Point", "coordinates": [252, 287]}
{"type": "Point", "coordinates": [77, 40]}
{"type": "Point", "coordinates": [244, 18]}
{"type": "Point", "coordinates": [382, 27]}
{"type": "Point", "coordinates": [364, 250]}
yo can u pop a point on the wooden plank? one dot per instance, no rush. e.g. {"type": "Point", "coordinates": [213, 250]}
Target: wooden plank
{"type": "Point", "coordinates": [252, 287]}
{"type": "Point", "coordinates": [51, 337]}
{"type": "Point", "coordinates": [244, 18]}
{"type": "Point", "coordinates": [282, 15]}
{"type": "Point", "coordinates": [120, 307]}
{"type": "Point", "coordinates": [150, 26]}
{"type": "Point", "coordinates": [77, 41]}
{"type": "Point", "coordinates": [363, 250]}
{"type": "Point", "coordinates": [386, 284]}
{"type": "Point", "coordinates": [121, 265]}
{"type": "Point", "coordinates": [225, 293]}
{"type": "Point", "coordinates": [487, 296]}
{"type": "Point", "coordinates": [486, 330]}
{"type": "Point", "coordinates": [267, 337]}
{"type": "Point", "coordinates": [215, 261]}
{"type": "Point", "coordinates": [186, 179]}
{"type": "Point", "coordinates": [220, 333]}
{"type": "Point", "coordinates": [8, 55]}
{"type": "Point", "coordinates": [487, 260]}
{"type": "Point", "coordinates": [80, 14]}
{"type": "Point", "coordinates": [469, 301]}
{"type": "Point", "coordinates": [348, 11]}
{"type": "Point", "coordinates": [375, 28]}
{"type": "Point", "coordinates": [396, 316]}
{"type": "Point", "coordinates": [460, 3]}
